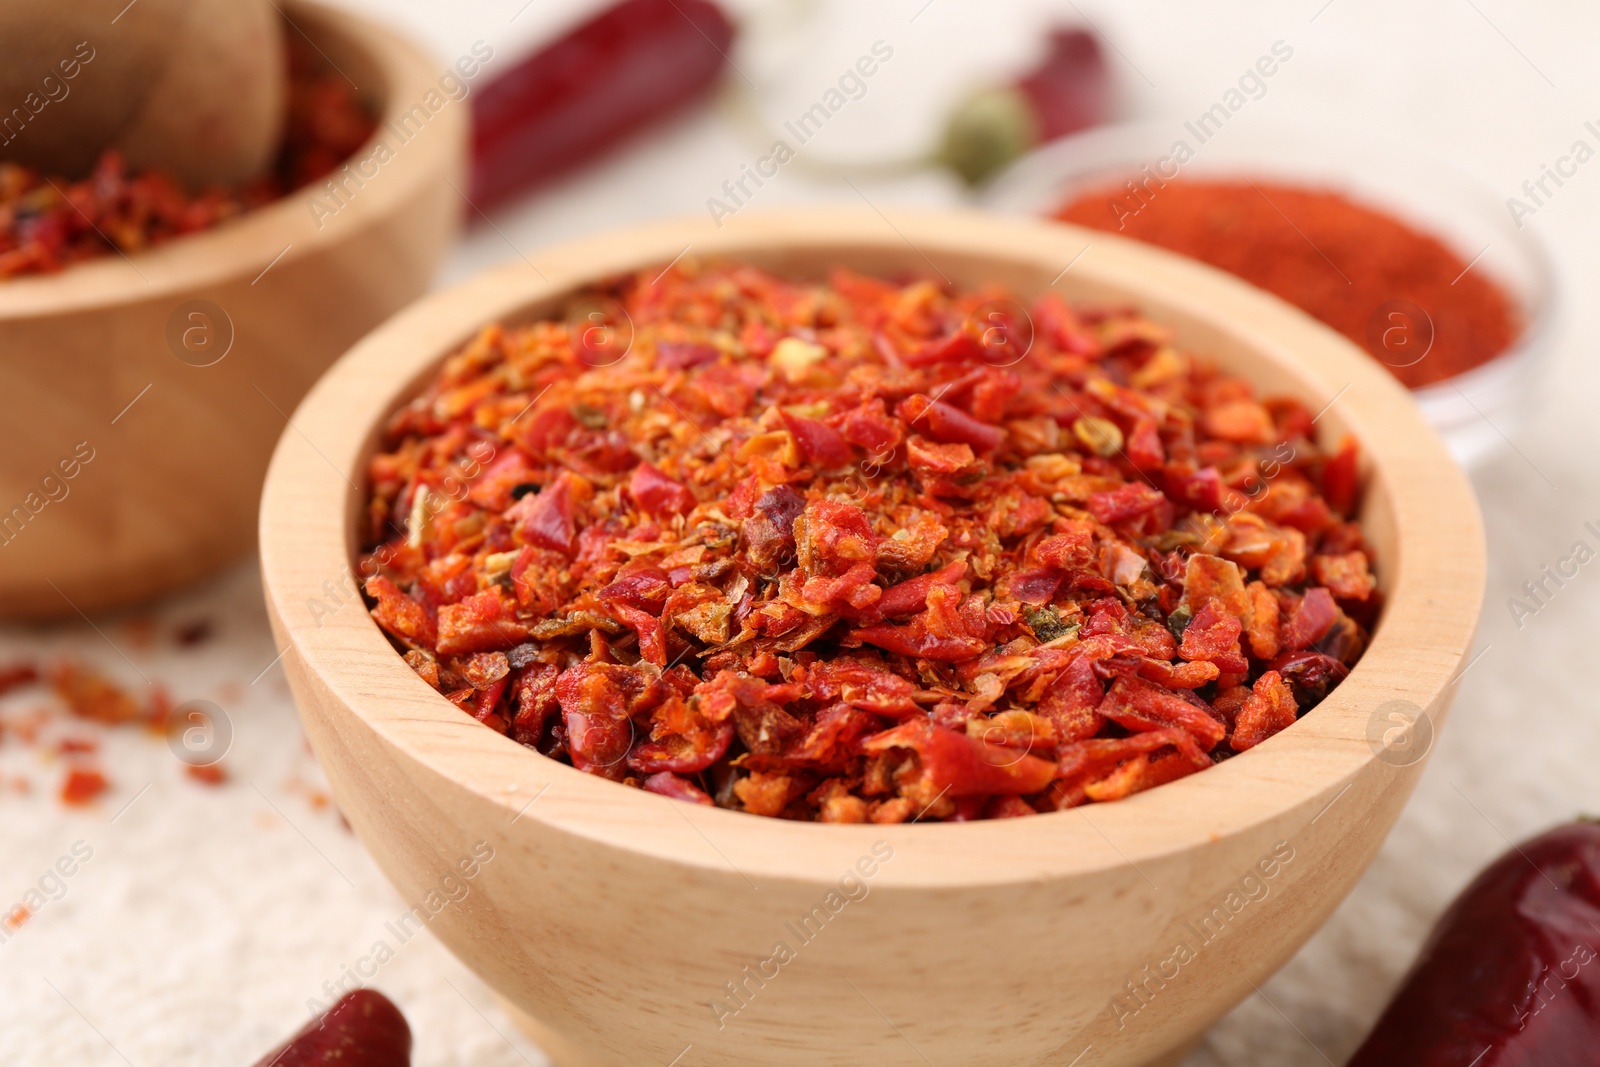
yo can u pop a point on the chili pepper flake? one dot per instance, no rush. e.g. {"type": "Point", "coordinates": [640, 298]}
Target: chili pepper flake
{"type": "Point", "coordinates": [96, 703]}
{"type": "Point", "coordinates": [195, 632]}
{"type": "Point", "coordinates": [805, 552]}
{"type": "Point", "coordinates": [82, 785]}
{"type": "Point", "coordinates": [209, 774]}
{"type": "Point", "coordinates": [48, 222]}
{"type": "Point", "coordinates": [17, 675]}
{"type": "Point", "coordinates": [90, 695]}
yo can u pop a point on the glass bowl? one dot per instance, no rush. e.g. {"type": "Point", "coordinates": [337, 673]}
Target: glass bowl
{"type": "Point", "coordinates": [1478, 411]}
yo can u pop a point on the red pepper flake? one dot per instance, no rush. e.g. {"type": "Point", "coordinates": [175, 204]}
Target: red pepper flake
{"type": "Point", "coordinates": [158, 710]}
{"type": "Point", "coordinates": [17, 917]}
{"type": "Point", "coordinates": [656, 494]}
{"type": "Point", "coordinates": [95, 700]}
{"type": "Point", "coordinates": [210, 774]}
{"type": "Point", "coordinates": [1124, 502]}
{"type": "Point", "coordinates": [1213, 635]}
{"type": "Point", "coordinates": [90, 695]}
{"type": "Point", "coordinates": [805, 552]}
{"type": "Point", "coordinates": [193, 633]}
{"type": "Point", "coordinates": [1310, 620]}
{"type": "Point", "coordinates": [1270, 707]}
{"type": "Point", "coordinates": [960, 765]}
{"type": "Point", "coordinates": [82, 786]}
{"type": "Point", "coordinates": [671, 785]}
{"type": "Point", "coordinates": [51, 222]}
{"type": "Point", "coordinates": [1339, 478]}
{"type": "Point", "coordinates": [17, 675]}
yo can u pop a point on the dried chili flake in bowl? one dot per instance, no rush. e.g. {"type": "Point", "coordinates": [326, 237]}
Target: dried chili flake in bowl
{"type": "Point", "coordinates": [82, 785]}
{"type": "Point", "coordinates": [864, 550]}
{"type": "Point", "coordinates": [49, 222]}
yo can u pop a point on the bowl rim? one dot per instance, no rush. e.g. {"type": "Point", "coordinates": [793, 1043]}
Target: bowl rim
{"type": "Point", "coordinates": [1435, 583]}
{"type": "Point", "coordinates": [285, 230]}
{"type": "Point", "coordinates": [1089, 155]}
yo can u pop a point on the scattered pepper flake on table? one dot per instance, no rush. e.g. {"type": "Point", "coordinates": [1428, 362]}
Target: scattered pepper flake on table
{"type": "Point", "coordinates": [17, 675]}
{"type": "Point", "coordinates": [208, 774]}
{"type": "Point", "coordinates": [82, 785]}
{"type": "Point", "coordinates": [94, 699]}
{"type": "Point", "coordinates": [194, 632]}
{"type": "Point", "coordinates": [848, 551]}
{"type": "Point", "coordinates": [1359, 270]}
{"type": "Point", "coordinates": [90, 695]}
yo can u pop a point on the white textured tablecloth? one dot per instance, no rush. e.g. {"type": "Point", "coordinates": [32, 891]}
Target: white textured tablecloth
{"type": "Point", "coordinates": [207, 916]}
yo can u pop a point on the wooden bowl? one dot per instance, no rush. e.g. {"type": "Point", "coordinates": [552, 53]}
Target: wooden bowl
{"type": "Point", "coordinates": [614, 920]}
{"type": "Point", "coordinates": [143, 394]}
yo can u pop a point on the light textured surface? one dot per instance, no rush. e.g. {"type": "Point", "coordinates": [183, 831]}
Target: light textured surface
{"type": "Point", "coordinates": [207, 917]}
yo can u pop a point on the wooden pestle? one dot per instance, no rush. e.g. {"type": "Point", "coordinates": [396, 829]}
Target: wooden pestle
{"type": "Point", "coordinates": [192, 87]}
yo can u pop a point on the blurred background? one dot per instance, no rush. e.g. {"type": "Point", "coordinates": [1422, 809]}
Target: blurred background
{"type": "Point", "coordinates": [209, 913]}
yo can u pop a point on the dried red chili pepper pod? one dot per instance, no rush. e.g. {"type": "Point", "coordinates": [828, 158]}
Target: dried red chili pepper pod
{"type": "Point", "coordinates": [1510, 975]}
{"type": "Point", "coordinates": [1067, 92]}
{"type": "Point", "coordinates": [362, 1029]}
{"type": "Point", "coordinates": [616, 73]}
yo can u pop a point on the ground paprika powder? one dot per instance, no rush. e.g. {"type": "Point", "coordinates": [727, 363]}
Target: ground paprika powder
{"type": "Point", "coordinates": [1400, 293]}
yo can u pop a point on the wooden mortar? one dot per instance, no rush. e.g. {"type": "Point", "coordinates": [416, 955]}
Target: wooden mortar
{"type": "Point", "coordinates": [191, 87]}
{"type": "Point", "coordinates": [174, 370]}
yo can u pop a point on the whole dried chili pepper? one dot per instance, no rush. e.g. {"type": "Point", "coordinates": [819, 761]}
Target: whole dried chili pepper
{"type": "Point", "coordinates": [1068, 91]}
{"type": "Point", "coordinates": [362, 1029]}
{"type": "Point", "coordinates": [616, 73]}
{"type": "Point", "coordinates": [1509, 976]}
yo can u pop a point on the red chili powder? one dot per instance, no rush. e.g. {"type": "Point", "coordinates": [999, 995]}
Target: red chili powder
{"type": "Point", "coordinates": [1388, 287]}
